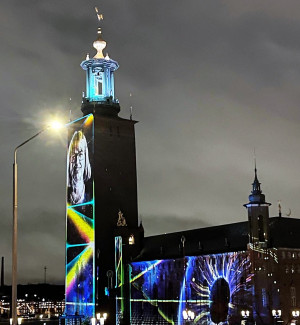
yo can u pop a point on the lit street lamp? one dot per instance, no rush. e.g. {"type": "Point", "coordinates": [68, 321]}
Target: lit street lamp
{"type": "Point", "coordinates": [54, 125]}
{"type": "Point", "coordinates": [276, 313]}
{"type": "Point", "coordinates": [245, 315]}
{"type": "Point", "coordinates": [188, 315]}
{"type": "Point", "coordinates": [100, 319]}
{"type": "Point", "coordinates": [295, 314]}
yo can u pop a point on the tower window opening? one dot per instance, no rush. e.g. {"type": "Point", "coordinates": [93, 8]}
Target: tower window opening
{"type": "Point", "coordinates": [99, 84]}
{"type": "Point", "coordinates": [293, 296]}
{"type": "Point", "coordinates": [264, 297]}
{"type": "Point", "coordinates": [99, 88]}
{"type": "Point", "coordinates": [131, 240]}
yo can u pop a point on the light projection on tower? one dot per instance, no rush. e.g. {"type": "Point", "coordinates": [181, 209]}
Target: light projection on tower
{"type": "Point", "coordinates": [214, 287]}
{"type": "Point", "coordinates": [80, 283]}
{"type": "Point", "coordinates": [119, 271]}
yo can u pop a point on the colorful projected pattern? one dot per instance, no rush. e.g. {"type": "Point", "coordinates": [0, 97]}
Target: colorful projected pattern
{"type": "Point", "coordinates": [214, 287]}
{"type": "Point", "coordinates": [119, 271]}
{"type": "Point", "coordinates": [80, 277]}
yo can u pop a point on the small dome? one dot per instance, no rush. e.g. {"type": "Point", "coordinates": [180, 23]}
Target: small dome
{"type": "Point", "coordinates": [99, 45]}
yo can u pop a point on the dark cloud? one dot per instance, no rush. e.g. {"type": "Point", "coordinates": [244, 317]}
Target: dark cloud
{"type": "Point", "coordinates": [210, 80]}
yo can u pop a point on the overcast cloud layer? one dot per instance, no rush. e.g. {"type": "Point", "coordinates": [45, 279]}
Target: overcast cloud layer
{"type": "Point", "coordinates": [210, 80]}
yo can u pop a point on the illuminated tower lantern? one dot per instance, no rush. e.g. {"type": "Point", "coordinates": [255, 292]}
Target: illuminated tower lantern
{"type": "Point", "coordinates": [101, 187]}
{"type": "Point", "coordinates": [258, 215]}
{"type": "Point", "coordinates": [100, 94]}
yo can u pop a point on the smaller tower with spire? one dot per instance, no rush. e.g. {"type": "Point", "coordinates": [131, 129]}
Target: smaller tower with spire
{"type": "Point", "coordinates": [258, 215]}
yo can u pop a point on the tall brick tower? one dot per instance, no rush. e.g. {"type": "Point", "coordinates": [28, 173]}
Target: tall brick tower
{"type": "Point", "coordinates": [101, 185]}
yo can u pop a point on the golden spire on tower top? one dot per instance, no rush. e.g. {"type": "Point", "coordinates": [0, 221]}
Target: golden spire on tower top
{"type": "Point", "coordinates": [99, 43]}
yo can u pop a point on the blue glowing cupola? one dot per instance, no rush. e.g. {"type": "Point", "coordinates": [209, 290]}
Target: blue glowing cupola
{"type": "Point", "coordinates": [100, 93]}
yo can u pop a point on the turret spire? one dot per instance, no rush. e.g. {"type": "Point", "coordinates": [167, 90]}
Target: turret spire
{"type": "Point", "coordinates": [256, 184]}
{"type": "Point", "coordinates": [256, 195]}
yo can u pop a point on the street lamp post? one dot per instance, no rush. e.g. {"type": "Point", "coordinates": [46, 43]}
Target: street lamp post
{"type": "Point", "coordinates": [14, 284]}
{"type": "Point", "coordinates": [276, 313]}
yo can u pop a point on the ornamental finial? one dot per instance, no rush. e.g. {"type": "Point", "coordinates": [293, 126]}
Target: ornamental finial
{"type": "Point", "coordinates": [99, 43]}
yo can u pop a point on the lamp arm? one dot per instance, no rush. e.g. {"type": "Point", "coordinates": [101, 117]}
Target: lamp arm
{"type": "Point", "coordinates": [22, 144]}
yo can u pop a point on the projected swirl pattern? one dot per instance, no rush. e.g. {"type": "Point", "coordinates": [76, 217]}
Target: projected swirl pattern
{"type": "Point", "coordinates": [214, 287]}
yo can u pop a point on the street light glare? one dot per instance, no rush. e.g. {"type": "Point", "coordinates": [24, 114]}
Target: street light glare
{"type": "Point", "coordinates": [56, 125]}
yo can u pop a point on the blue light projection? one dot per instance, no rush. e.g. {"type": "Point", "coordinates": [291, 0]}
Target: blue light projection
{"type": "Point", "coordinates": [215, 287]}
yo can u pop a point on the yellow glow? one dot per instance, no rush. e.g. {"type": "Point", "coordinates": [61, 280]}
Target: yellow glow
{"type": "Point", "coordinates": [84, 258]}
{"type": "Point", "coordinates": [56, 125]}
{"type": "Point", "coordinates": [86, 231]}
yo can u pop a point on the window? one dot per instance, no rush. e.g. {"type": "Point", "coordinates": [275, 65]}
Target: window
{"type": "Point", "coordinates": [293, 296]}
{"type": "Point", "coordinates": [283, 255]}
{"type": "Point", "coordinates": [99, 84]}
{"type": "Point", "coordinates": [99, 88]}
{"type": "Point", "coordinates": [131, 240]}
{"type": "Point", "coordinates": [264, 297]}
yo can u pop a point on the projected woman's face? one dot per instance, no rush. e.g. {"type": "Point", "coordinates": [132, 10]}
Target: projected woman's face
{"type": "Point", "coordinates": [79, 170]}
{"type": "Point", "coordinates": [77, 161]}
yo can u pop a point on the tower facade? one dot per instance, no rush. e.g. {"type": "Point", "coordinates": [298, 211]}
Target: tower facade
{"type": "Point", "coordinates": [102, 183]}
{"type": "Point", "coordinates": [258, 215]}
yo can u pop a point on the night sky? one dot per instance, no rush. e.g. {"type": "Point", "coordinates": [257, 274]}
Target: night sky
{"type": "Point", "coordinates": [210, 81]}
